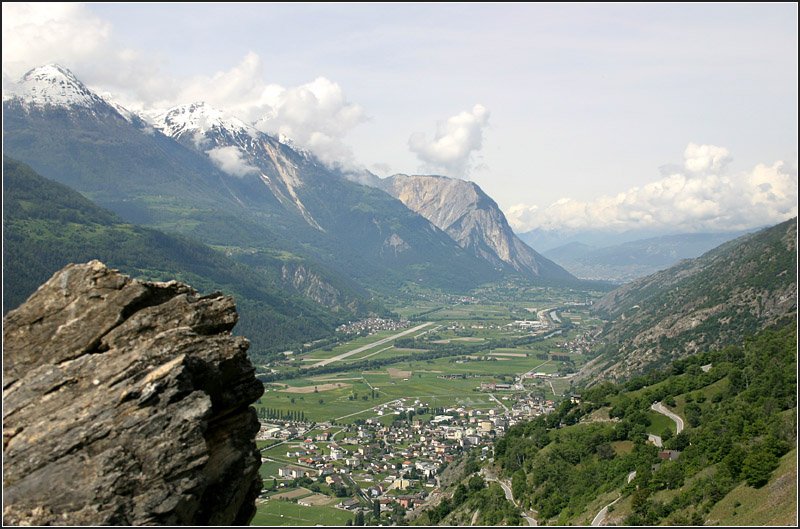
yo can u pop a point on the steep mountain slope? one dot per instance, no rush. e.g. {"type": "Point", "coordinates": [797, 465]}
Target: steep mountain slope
{"type": "Point", "coordinates": [631, 260]}
{"type": "Point", "coordinates": [734, 290]}
{"type": "Point", "coordinates": [473, 219]}
{"type": "Point", "coordinates": [349, 226]}
{"type": "Point", "coordinates": [738, 405]}
{"type": "Point", "coordinates": [46, 225]}
{"type": "Point", "coordinates": [232, 188]}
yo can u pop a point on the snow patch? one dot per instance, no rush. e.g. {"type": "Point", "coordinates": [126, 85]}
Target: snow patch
{"type": "Point", "coordinates": [53, 85]}
{"type": "Point", "coordinates": [199, 118]}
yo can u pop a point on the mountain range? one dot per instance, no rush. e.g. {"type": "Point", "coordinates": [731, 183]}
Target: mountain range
{"type": "Point", "coordinates": [196, 172]}
{"type": "Point", "coordinates": [631, 260]}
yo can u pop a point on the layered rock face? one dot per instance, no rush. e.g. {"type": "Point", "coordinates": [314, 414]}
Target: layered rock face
{"type": "Point", "coordinates": [472, 219]}
{"type": "Point", "coordinates": [127, 403]}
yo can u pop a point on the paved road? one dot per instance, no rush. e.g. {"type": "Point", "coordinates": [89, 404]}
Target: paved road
{"type": "Point", "coordinates": [659, 408]}
{"type": "Point", "coordinates": [370, 345]}
{"type": "Point", "coordinates": [500, 403]}
{"type": "Point", "coordinates": [601, 516]}
{"type": "Point", "coordinates": [510, 497]}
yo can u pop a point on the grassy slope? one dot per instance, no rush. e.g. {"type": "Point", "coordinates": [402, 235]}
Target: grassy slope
{"type": "Point", "coordinates": [773, 504]}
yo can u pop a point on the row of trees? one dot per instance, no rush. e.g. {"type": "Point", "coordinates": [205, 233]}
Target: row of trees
{"type": "Point", "coordinates": [281, 415]}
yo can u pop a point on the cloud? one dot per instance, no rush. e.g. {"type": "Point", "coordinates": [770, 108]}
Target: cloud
{"type": "Point", "coordinates": [35, 34]}
{"type": "Point", "coordinates": [700, 197]}
{"type": "Point", "coordinates": [704, 158]}
{"type": "Point", "coordinates": [451, 149]}
{"type": "Point", "coordinates": [316, 116]}
{"type": "Point", "coordinates": [71, 35]}
{"type": "Point", "coordinates": [231, 160]}
{"type": "Point", "coordinates": [382, 168]}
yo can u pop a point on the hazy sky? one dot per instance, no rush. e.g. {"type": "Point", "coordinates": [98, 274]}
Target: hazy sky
{"type": "Point", "coordinates": [608, 115]}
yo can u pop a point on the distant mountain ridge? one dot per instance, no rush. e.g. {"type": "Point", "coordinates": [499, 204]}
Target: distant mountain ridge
{"type": "Point", "coordinates": [472, 219]}
{"type": "Point", "coordinates": [734, 290]}
{"type": "Point", "coordinates": [631, 260]}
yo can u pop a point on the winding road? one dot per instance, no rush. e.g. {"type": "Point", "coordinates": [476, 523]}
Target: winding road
{"type": "Point", "coordinates": [601, 516]}
{"type": "Point", "coordinates": [510, 497]}
{"type": "Point", "coordinates": [659, 408]}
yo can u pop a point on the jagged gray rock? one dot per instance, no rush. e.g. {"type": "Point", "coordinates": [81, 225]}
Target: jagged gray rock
{"type": "Point", "coordinates": [127, 402]}
{"type": "Point", "coordinates": [471, 218]}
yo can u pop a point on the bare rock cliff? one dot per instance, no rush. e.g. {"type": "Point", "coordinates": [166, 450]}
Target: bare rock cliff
{"type": "Point", "coordinates": [472, 219]}
{"type": "Point", "coordinates": [126, 403]}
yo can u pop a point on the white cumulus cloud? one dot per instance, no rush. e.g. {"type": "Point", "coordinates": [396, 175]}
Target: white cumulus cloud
{"type": "Point", "coordinates": [701, 197]}
{"type": "Point", "coordinates": [34, 34]}
{"type": "Point", "coordinates": [231, 160]}
{"type": "Point", "coordinates": [705, 158]}
{"type": "Point", "coordinates": [71, 35]}
{"type": "Point", "coordinates": [315, 116]}
{"type": "Point", "coordinates": [451, 149]}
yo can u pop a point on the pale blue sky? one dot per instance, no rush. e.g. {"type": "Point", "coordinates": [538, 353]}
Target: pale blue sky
{"type": "Point", "coordinates": [583, 100]}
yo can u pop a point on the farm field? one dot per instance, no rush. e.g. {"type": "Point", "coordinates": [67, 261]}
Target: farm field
{"type": "Point", "coordinates": [272, 512]}
{"type": "Point", "coordinates": [487, 333]}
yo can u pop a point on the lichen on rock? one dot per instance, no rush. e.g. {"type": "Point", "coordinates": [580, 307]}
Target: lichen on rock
{"type": "Point", "coordinates": [127, 402]}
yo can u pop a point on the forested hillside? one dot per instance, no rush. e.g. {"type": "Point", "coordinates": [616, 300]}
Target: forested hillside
{"type": "Point", "coordinates": [739, 405]}
{"type": "Point", "coordinates": [47, 225]}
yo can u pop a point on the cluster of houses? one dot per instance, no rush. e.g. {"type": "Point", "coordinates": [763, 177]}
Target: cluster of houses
{"type": "Point", "coordinates": [395, 463]}
{"type": "Point", "coordinates": [371, 325]}
{"type": "Point", "coordinates": [392, 464]}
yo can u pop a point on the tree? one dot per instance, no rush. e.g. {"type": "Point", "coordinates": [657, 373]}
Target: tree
{"type": "Point", "coordinates": [475, 483]}
{"type": "Point", "coordinates": [758, 466]}
{"type": "Point", "coordinates": [460, 494]}
{"type": "Point", "coordinates": [376, 509]}
{"type": "Point", "coordinates": [359, 518]}
{"type": "Point", "coordinates": [667, 434]}
{"type": "Point", "coordinates": [604, 451]}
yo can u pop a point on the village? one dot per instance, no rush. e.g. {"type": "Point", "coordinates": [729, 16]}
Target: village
{"type": "Point", "coordinates": [395, 465]}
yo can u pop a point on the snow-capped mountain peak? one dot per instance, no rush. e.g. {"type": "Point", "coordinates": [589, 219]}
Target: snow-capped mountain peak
{"type": "Point", "coordinates": [54, 85]}
{"type": "Point", "coordinates": [199, 118]}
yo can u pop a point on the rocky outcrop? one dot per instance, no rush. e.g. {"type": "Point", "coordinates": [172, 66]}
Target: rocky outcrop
{"type": "Point", "coordinates": [471, 218]}
{"type": "Point", "coordinates": [126, 403]}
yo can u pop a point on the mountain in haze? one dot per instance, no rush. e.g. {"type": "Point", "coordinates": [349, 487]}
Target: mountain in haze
{"type": "Point", "coordinates": [472, 219]}
{"type": "Point", "coordinates": [232, 187]}
{"type": "Point", "coordinates": [631, 260]}
{"type": "Point", "coordinates": [47, 225]}
{"type": "Point", "coordinates": [734, 290]}
{"type": "Point", "coordinates": [548, 239]}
